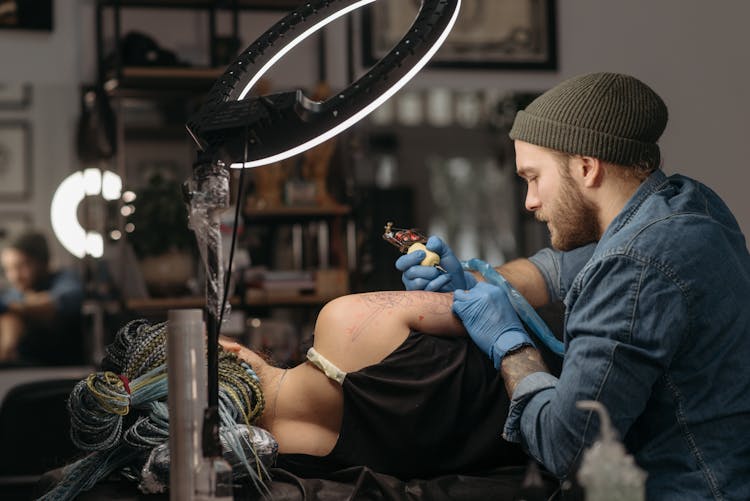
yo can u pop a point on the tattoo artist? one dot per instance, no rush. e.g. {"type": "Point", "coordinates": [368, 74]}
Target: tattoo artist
{"type": "Point", "coordinates": [654, 273]}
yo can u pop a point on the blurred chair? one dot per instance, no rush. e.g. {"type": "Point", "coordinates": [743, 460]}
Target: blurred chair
{"type": "Point", "coordinates": [34, 434]}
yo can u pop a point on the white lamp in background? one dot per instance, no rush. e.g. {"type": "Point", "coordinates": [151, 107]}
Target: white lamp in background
{"type": "Point", "coordinates": [64, 209]}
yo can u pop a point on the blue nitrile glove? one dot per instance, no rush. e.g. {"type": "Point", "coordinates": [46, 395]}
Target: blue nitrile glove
{"type": "Point", "coordinates": [430, 278]}
{"type": "Point", "coordinates": [490, 320]}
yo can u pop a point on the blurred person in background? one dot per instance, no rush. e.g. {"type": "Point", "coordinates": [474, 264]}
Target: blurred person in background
{"type": "Point", "coordinates": [40, 311]}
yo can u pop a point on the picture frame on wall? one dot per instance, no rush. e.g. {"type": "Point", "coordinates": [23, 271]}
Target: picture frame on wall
{"type": "Point", "coordinates": [14, 96]}
{"type": "Point", "coordinates": [15, 160]}
{"type": "Point", "coordinates": [489, 34]}
{"type": "Point", "coordinates": [26, 15]}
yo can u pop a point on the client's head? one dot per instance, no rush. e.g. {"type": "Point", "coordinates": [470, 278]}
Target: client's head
{"type": "Point", "coordinates": [120, 416]}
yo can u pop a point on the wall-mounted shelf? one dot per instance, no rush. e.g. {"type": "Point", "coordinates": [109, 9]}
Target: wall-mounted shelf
{"type": "Point", "coordinates": [296, 212]}
{"type": "Point", "coordinates": [253, 298]}
{"type": "Point", "coordinates": [260, 297]}
{"type": "Point", "coordinates": [208, 4]}
{"type": "Point", "coordinates": [121, 78]}
{"type": "Point", "coordinates": [155, 79]}
{"type": "Point", "coordinates": [168, 303]}
{"type": "Point", "coordinates": [326, 223]}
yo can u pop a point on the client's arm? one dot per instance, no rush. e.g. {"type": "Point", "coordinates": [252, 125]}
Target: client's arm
{"type": "Point", "coordinates": [362, 329]}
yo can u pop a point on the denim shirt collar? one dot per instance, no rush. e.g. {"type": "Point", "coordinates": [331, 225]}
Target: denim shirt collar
{"type": "Point", "coordinates": [651, 185]}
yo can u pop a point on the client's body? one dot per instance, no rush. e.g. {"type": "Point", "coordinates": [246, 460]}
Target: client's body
{"type": "Point", "coordinates": [376, 393]}
{"type": "Point", "coordinates": [410, 404]}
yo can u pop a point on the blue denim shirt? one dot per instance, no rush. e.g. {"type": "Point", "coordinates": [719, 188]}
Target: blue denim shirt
{"type": "Point", "coordinates": [657, 328]}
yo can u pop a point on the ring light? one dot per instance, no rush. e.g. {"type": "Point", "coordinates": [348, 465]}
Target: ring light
{"type": "Point", "coordinates": [278, 126]}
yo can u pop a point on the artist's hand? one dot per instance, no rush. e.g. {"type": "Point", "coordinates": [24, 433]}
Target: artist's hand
{"type": "Point", "coordinates": [490, 320]}
{"type": "Point", "coordinates": [430, 278]}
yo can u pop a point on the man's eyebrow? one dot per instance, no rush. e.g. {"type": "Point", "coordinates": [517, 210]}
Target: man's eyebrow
{"type": "Point", "coordinates": [524, 171]}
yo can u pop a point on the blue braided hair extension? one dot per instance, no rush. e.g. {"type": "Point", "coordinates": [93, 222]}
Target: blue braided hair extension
{"type": "Point", "coordinates": [121, 418]}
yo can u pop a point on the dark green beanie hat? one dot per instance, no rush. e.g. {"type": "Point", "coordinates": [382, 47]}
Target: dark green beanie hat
{"type": "Point", "coordinates": [613, 117]}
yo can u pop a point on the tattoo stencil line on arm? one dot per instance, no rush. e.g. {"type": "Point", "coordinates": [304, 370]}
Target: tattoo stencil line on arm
{"type": "Point", "coordinates": [424, 303]}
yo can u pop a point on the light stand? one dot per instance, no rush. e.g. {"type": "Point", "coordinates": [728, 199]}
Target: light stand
{"type": "Point", "coordinates": [232, 129]}
{"type": "Point", "coordinates": [208, 195]}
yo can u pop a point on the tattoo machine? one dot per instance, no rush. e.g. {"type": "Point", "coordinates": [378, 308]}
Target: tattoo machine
{"type": "Point", "coordinates": [408, 241]}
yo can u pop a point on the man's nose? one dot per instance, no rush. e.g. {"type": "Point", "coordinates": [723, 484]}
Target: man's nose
{"type": "Point", "coordinates": [532, 200]}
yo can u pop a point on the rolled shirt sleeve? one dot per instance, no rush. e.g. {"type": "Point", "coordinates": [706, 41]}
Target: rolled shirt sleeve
{"type": "Point", "coordinates": [618, 344]}
{"type": "Point", "coordinates": [527, 388]}
{"type": "Point", "coordinates": [559, 269]}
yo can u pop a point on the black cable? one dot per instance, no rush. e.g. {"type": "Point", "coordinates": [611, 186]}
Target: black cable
{"type": "Point", "coordinates": [234, 239]}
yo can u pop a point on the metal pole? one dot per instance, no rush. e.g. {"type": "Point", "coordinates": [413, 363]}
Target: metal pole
{"type": "Point", "coordinates": [208, 194]}
{"type": "Point", "coordinates": [209, 198]}
{"type": "Point", "coordinates": [186, 379]}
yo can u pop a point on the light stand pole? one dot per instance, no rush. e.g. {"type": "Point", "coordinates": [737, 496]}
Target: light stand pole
{"type": "Point", "coordinates": [207, 193]}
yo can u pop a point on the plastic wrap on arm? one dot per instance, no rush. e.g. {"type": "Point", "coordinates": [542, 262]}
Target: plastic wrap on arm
{"type": "Point", "coordinates": [520, 305]}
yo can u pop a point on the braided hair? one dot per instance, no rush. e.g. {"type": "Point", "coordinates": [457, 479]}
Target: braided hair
{"type": "Point", "coordinates": [120, 416]}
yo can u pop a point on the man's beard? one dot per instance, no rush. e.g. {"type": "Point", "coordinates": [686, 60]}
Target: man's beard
{"type": "Point", "coordinates": [574, 222]}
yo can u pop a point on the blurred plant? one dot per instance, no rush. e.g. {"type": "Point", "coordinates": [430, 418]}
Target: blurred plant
{"type": "Point", "coordinates": [160, 219]}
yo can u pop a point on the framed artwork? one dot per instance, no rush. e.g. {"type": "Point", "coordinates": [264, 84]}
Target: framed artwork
{"type": "Point", "coordinates": [26, 14]}
{"type": "Point", "coordinates": [15, 160]}
{"type": "Point", "coordinates": [14, 95]}
{"type": "Point", "coordinates": [502, 34]}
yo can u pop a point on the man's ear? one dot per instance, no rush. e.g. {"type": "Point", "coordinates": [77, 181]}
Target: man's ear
{"type": "Point", "coordinates": [591, 171]}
